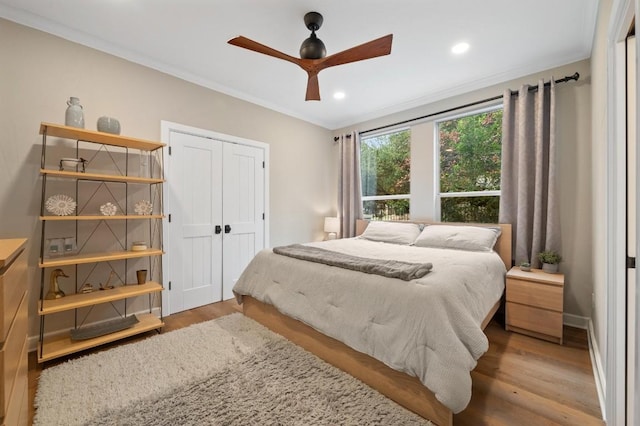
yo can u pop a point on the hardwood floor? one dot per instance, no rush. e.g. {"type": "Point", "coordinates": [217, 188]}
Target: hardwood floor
{"type": "Point", "coordinates": [525, 381]}
{"type": "Point", "coordinates": [519, 381]}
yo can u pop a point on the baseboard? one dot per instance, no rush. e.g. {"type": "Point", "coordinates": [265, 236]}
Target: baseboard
{"type": "Point", "coordinates": [598, 370]}
{"type": "Point", "coordinates": [576, 321]}
{"type": "Point", "coordinates": [594, 353]}
{"type": "Point", "coordinates": [33, 340]}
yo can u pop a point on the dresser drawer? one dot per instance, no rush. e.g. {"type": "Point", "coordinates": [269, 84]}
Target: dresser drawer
{"type": "Point", "coordinates": [12, 287]}
{"type": "Point", "coordinates": [11, 352]}
{"type": "Point", "coordinates": [535, 294]}
{"type": "Point", "coordinates": [17, 413]}
{"type": "Point", "coordinates": [534, 319]}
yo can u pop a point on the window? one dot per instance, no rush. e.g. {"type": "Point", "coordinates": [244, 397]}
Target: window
{"type": "Point", "coordinates": [385, 164]}
{"type": "Point", "coordinates": [469, 178]}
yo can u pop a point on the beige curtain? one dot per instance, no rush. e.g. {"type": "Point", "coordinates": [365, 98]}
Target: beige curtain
{"type": "Point", "coordinates": [350, 187]}
{"type": "Point", "coordinates": [528, 198]}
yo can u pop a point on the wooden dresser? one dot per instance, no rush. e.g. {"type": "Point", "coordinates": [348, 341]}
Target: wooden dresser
{"type": "Point", "coordinates": [535, 303]}
{"type": "Point", "coordinates": [14, 328]}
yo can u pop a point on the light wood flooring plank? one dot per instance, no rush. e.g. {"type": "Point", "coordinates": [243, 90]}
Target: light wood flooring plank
{"type": "Point", "coordinates": [569, 382]}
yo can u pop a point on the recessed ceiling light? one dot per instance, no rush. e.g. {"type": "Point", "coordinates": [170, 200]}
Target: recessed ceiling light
{"type": "Point", "coordinates": [460, 48]}
{"type": "Point", "coordinates": [339, 95]}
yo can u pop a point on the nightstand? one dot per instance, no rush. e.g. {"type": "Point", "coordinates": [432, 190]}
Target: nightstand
{"type": "Point", "coordinates": [535, 303]}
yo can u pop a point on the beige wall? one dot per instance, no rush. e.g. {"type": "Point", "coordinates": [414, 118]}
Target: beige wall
{"type": "Point", "coordinates": [574, 135]}
{"type": "Point", "coordinates": [39, 72]}
{"type": "Point", "coordinates": [599, 77]}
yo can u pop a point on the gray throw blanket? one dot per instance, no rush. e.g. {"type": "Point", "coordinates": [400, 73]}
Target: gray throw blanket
{"type": "Point", "coordinates": [387, 268]}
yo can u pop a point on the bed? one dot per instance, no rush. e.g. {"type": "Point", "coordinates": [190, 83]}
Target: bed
{"type": "Point", "coordinates": [415, 341]}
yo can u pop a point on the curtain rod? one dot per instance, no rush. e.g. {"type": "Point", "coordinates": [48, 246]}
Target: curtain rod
{"type": "Point", "coordinates": [575, 76]}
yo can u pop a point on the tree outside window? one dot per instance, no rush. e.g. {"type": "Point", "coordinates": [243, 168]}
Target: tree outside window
{"type": "Point", "coordinates": [385, 165]}
{"type": "Point", "coordinates": [470, 153]}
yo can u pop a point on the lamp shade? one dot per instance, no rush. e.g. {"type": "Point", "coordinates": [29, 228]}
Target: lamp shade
{"type": "Point", "coordinates": [331, 224]}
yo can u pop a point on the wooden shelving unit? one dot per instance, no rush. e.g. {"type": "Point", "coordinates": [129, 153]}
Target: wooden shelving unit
{"type": "Point", "coordinates": [98, 217]}
{"type": "Point", "coordinates": [81, 300]}
{"type": "Point", "coordinates": [99, 177]}
{"type": "Point", "coordinates": [66, 132]}
{"type": "Point", "coordinates": [57, 346]}
{"type": "Point", "coordinates": [97, 257]}
{"type": "Point", "coordinates": [61, 344]}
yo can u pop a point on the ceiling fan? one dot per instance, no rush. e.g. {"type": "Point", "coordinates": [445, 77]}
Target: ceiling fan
{"type": "Point", "coordinates": [313, 57]}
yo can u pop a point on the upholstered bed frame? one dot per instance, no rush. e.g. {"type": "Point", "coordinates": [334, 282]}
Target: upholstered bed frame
{"type": "Point", "coordinates": [406, 390]}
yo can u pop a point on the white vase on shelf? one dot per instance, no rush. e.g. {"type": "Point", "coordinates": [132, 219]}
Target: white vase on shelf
{"type": "Point", "coordinates": [74, 116]}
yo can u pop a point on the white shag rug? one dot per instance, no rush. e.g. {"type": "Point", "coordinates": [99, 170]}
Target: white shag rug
{"type": "Point", "coordinates": [227, 371]}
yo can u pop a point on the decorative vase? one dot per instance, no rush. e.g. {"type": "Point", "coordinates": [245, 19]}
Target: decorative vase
{"type": "Point", "coordinates": [525, 268]}
{"type": "Point", "coordinates": [108, 125]}
{"type": "Point", "coordinates": [141, 275]}
{"type": "Point", "coordinates": [74, 116]}
{"type": "Point", "coordinates": [550, 268]}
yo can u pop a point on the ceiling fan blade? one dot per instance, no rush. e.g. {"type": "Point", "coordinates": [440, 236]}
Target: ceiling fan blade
{"type": "Point", "coordinates": [249, 44]}
{"type": "Point", "coordinates": [313, 88]}
{"type": "Point", "coordinates": [378, 47]}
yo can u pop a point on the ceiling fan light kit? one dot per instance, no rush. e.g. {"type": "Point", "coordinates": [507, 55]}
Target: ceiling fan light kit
{"type": "Point", "coordinates": [313, 57]}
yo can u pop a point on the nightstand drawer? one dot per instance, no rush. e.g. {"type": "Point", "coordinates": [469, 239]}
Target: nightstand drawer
{"type": "Point", "coordinates": [534, 294]}
{"type": "Point", "coordinates": [534, 319]}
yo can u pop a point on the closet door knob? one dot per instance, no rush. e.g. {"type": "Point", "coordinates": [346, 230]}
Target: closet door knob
{"type": "Point", "coordinates": [218, 229]}
{"type": "Point", "coordinates": [227, 229]}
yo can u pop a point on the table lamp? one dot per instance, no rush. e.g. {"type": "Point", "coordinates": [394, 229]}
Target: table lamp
{"type": "Point", "coordinates": [332, 227]}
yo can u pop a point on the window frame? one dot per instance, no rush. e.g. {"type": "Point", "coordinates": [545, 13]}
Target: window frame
{"type": "Point", "coordinates": [436, 146]}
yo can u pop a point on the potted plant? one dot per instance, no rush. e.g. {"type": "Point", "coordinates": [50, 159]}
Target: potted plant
{"type": "Point", "coordinates": [550, 260]}
{"type": "Point", "coordinates": [525, 266]}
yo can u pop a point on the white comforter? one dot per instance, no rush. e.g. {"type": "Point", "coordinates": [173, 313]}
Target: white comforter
{"type": "Point", "coordinates": [429, 328]}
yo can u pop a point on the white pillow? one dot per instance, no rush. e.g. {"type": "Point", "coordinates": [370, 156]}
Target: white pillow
{"type": "Point", "coordinates": [470, 238]}
{"type": "Point", "coordinates": [391, 232]}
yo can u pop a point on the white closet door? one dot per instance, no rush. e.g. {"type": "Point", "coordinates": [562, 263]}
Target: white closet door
{"type": "Point", "coordinates": [195, 192]}
{"type": "Point", "coordinates": [243, 210]}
